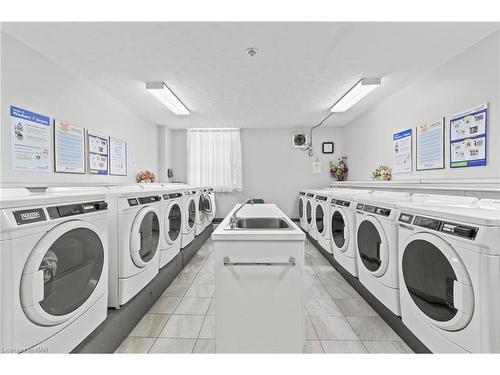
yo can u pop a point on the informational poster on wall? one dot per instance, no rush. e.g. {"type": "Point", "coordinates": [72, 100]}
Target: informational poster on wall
{"type": "Point", "coordinates": [401, 152]}
{"type": "Point", "coordinates": [30, 140]}
{"type": "Point", "coordinates": [430, 145]}
{"type": "Point", "coordinates": [131, 154]}
{"type": "Point", "coordinates": [69, 148]}
{"type": "Point", "coordinates": [468, 137]}
{"type": "Point", "coordinates": [98, 153]}
{"type": "Point", "coordinates": [117, 157]}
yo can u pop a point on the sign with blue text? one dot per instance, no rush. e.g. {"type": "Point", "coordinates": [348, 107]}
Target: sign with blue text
{"type": "Point", "coordinates": [468, 137]}
{"type": "Point", "coordinates": [401, 152]}
{"type": "Point", "coordinates": [98, 153]}
{"type": "Point", "coordinates": [30, 140]}
{"type": "Point", "coordinates": [69, 148]}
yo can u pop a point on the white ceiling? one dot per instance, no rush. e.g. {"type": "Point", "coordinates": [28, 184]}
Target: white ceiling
{"type": "Point", "coordinates": [300, 71]}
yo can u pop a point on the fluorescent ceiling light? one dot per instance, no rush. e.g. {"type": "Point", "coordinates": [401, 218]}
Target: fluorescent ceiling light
{"type": "Point", "coordinates": [161, 92]}
{"type": "Point", "coordinates": [354, 95]}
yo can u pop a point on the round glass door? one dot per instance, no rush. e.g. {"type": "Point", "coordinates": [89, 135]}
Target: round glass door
{"type": "Point", "coordinates": [372, 245]}
{"type": "Point", "coordinates": [320, 217]}
{"type": "Point", "coordinates": [301, 208]}
{"type": "Point", "coordinates": [62, 273]}
{"type": "Point", "coordinates": [208, 204]}
{"type": "Point", "coordinates": [201, 206]}
{"type": "Point", "coordinates": [309, 212]}
{"type": "Point", "coordinates": [338, 230]}
{"type": "Point", "coordinates": [191, 213]}
{"type": "Point", "coordinates": [437, 282]}
{"type": "Point", "coordinates": [145, 236]}
{"type": "Point", "coordinates": [174, 221]}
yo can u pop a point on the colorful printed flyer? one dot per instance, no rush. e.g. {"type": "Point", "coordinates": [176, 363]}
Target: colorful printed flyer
{"type": "Point", "coordinates": [401, 152]}
{"type": "Point", "coordinates": [98, 153]}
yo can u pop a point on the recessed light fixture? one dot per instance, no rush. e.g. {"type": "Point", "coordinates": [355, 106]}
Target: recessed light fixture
{"type": "Point", "coordinates": [161, 92]}
{"type": "Point", "coordinates": [354, 95]}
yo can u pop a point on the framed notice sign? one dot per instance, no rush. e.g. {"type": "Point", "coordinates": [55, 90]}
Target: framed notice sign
{"type": "Point", "coordinates": [401, 152]}
{"type": "Point", "coordinates": [98, 153]}
{"type": "Point", "coordinates": [69, 148]}
{"type": "Point", "coordinates": [430, 145]}
{"type": "Point", "coordinates": [468, 137]}
{"type": "Point", "coordinates": [117, 157]}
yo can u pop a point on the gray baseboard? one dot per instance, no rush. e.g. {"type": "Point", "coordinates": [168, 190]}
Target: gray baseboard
{"type": "Point", "coordinates": [120, 322]}
{"type": "Point", "coordinates": [389, 317]}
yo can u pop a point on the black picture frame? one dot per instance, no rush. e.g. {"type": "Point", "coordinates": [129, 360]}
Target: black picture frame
{"type": "Point", "coordinates": [327, 147]}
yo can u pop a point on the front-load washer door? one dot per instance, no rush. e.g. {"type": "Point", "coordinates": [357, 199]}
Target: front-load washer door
{"type": "Point", "coordinates": [437, 281]}
{"type": "Point", "coordinates": [201, 208]}
{"type": "Point", "coordinates": [309, 212]}
{"type": "Point", "coordinates": [301, 209]}
{"type": "Point", "coordinates": [191, 214]}
{"type": "Point", "coordinates": [62, 272]}
{"type": "Point", "coordinates": [373, 247]}
{"type": "Point", "coordinates": [173, 222]}
{"type": "Point", "coordinates": [339, 230]}
{"type": "Point", "coordinates": [207, 204]}
{"type": "Point", "coordinates": [144, 237]}
{"type": "Point", "coordinates": [320, 219]}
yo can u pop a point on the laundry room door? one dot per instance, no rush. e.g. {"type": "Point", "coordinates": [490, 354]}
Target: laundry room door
{"type": "Point", "coordinates": [437, 281]}
{"type": "Point", "coordinates": [145, 236]}
{"type": "Point", "coordinates": [173, 221]}
{"type": "Point", "coordinates": [309, 212]}
{"type": "Point", "coordinates": [320, 219]}
{"type": "Point", "coordinates": [339, 232]}
{"type": "Point", "coordinates": [372, 245]}
{"type": "Point", "coordinates": [62, 272]}
{"type": "Point", "coordinates": [301, 208]}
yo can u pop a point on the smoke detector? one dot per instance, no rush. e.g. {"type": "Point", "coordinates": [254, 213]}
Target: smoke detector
{"type": "Point", "coordinates": [251, 51]}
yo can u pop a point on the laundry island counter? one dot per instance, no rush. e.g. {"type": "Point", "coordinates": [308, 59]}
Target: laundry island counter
{"type": "Point", "coordinates": [259, 276]}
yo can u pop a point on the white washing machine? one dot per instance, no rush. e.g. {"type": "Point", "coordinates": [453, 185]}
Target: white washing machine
{"type": "Point", "coordinates": [377, 245]}
{"type": "Point", "coordinates": [54, 269]}
{"type": "Point", "coordinates": [209, 207]}
{"type": "Point", "coordinates": [135, 228]}
{"type": "Point", "coordinates": [310, 212]}
{"type": "Point", "coordinates": [170, 242]}
{"type": "Point", "coordinates": [342, 228]}
{"type": "Point", "coordinates": [322, 219]}
{"type": "Point", "coordinates": [199, 197]}
{"type": "Point", "coordinates": [188, 217]}
{"type": "Point", "coordinates": [450, 275]}
{"type": "Point", "coordinates": [302, 210]}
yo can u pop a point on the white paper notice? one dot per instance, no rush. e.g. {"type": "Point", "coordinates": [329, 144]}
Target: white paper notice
{"type": "Point", "coordinates": [98, 153]}
{"type": "Point", "coordinates": [117, 157]}
{"type": "Point", "coordinates": [131, 154]}
{"type": "Point", "coordinates": [69, 145]}
{"type": "Point", "coordinates": [30, 140]}
{"type": "Point", "coordinates": [401, 152]}
{"type": "Point", "coordinates": [430, 145]}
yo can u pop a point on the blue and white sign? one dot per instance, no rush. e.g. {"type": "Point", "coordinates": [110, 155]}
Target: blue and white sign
{"type": "Point", "coordinates": [401, 152]}
{"type": "Point", "coordinates": [468, 137]}
{"type": "Point", "coordinates": [30, 140]}
{"type": "Point", "coordinates": [69, 148]}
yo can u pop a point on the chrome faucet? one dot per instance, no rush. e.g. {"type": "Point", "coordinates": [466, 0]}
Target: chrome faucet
{"type": "Point", "coordinates": [234, 218]}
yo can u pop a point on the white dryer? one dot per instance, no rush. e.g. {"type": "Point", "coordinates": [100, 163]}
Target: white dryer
{"type": "Point", "coordinates": [170, 242]}
{"type": "Point", "coordinates": [302, 210]}
{"type": "Point", "coordinates": [199, 197]}
{"type": "Point", "coordinates": [188, 217]}
{"type": "Point", "coordinates": [135, 228]}
{"type": "Point", "coordinates": [449, 275]}
{"type": "Point", "coordinates": [342, 222]}
{"type": "Point", "coordinates": [323, 199]}
{"type": "Point", "coordinates": [310, 212]}
{"type": "Point", "coordinates": [54, 269]}
{"type": "Point", "coordinates": [377, 245]}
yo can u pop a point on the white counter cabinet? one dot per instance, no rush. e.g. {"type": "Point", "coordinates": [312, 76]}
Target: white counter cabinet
{"type": "Point", "coordinates": [259, 276]}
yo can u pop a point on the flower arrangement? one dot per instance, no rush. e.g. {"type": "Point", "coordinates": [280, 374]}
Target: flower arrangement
{"type": "Point", "coordinates": [338, 171]}
{"type": "Point", "coordinates": [382, 173]}
{"type": "Point", "coordinates": [145, 176]}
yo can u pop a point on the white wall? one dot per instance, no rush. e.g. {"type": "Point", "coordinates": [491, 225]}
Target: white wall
{"type": "Point", "coordinates": [33, 82]}
{"type": "Point", "coordinates": [165, 155]}
{"type": "Point", "coordinates": [272, 170]}
{"type": "Point", "coordinates": [469, 79]}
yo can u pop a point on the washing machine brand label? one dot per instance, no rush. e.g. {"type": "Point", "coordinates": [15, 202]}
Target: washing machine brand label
{"type": "Point", "coordinates": [29, 216]}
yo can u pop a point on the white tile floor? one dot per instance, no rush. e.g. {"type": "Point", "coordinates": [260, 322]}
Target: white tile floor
{"type": "Point", "coordinates": [338, 320]}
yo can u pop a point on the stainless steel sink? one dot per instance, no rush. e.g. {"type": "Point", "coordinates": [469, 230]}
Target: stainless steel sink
{"type": "Point", "coordinates": [261, 223]}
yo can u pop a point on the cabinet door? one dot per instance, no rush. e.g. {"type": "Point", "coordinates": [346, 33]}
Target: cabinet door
{"type": "Point", "coordinates": [259, 304]}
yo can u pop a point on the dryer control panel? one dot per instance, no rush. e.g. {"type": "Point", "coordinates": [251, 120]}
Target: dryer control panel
{"type": "Point", "coordinates": [455, 229]}
{"type": "Point", "coordinates": [340, 202]}
{"type": "Point", "coordinates": [76, 209]}
{"type": "Point", "coordinates": [171, 196]}
{"type": "Point", "coordinates": [321, 198]}
{"type": "Point", "coordinates": [376, 210]}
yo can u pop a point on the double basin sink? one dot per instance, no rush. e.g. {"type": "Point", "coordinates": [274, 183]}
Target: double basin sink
{"type": "Point", "coordinates": [260, 223]}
